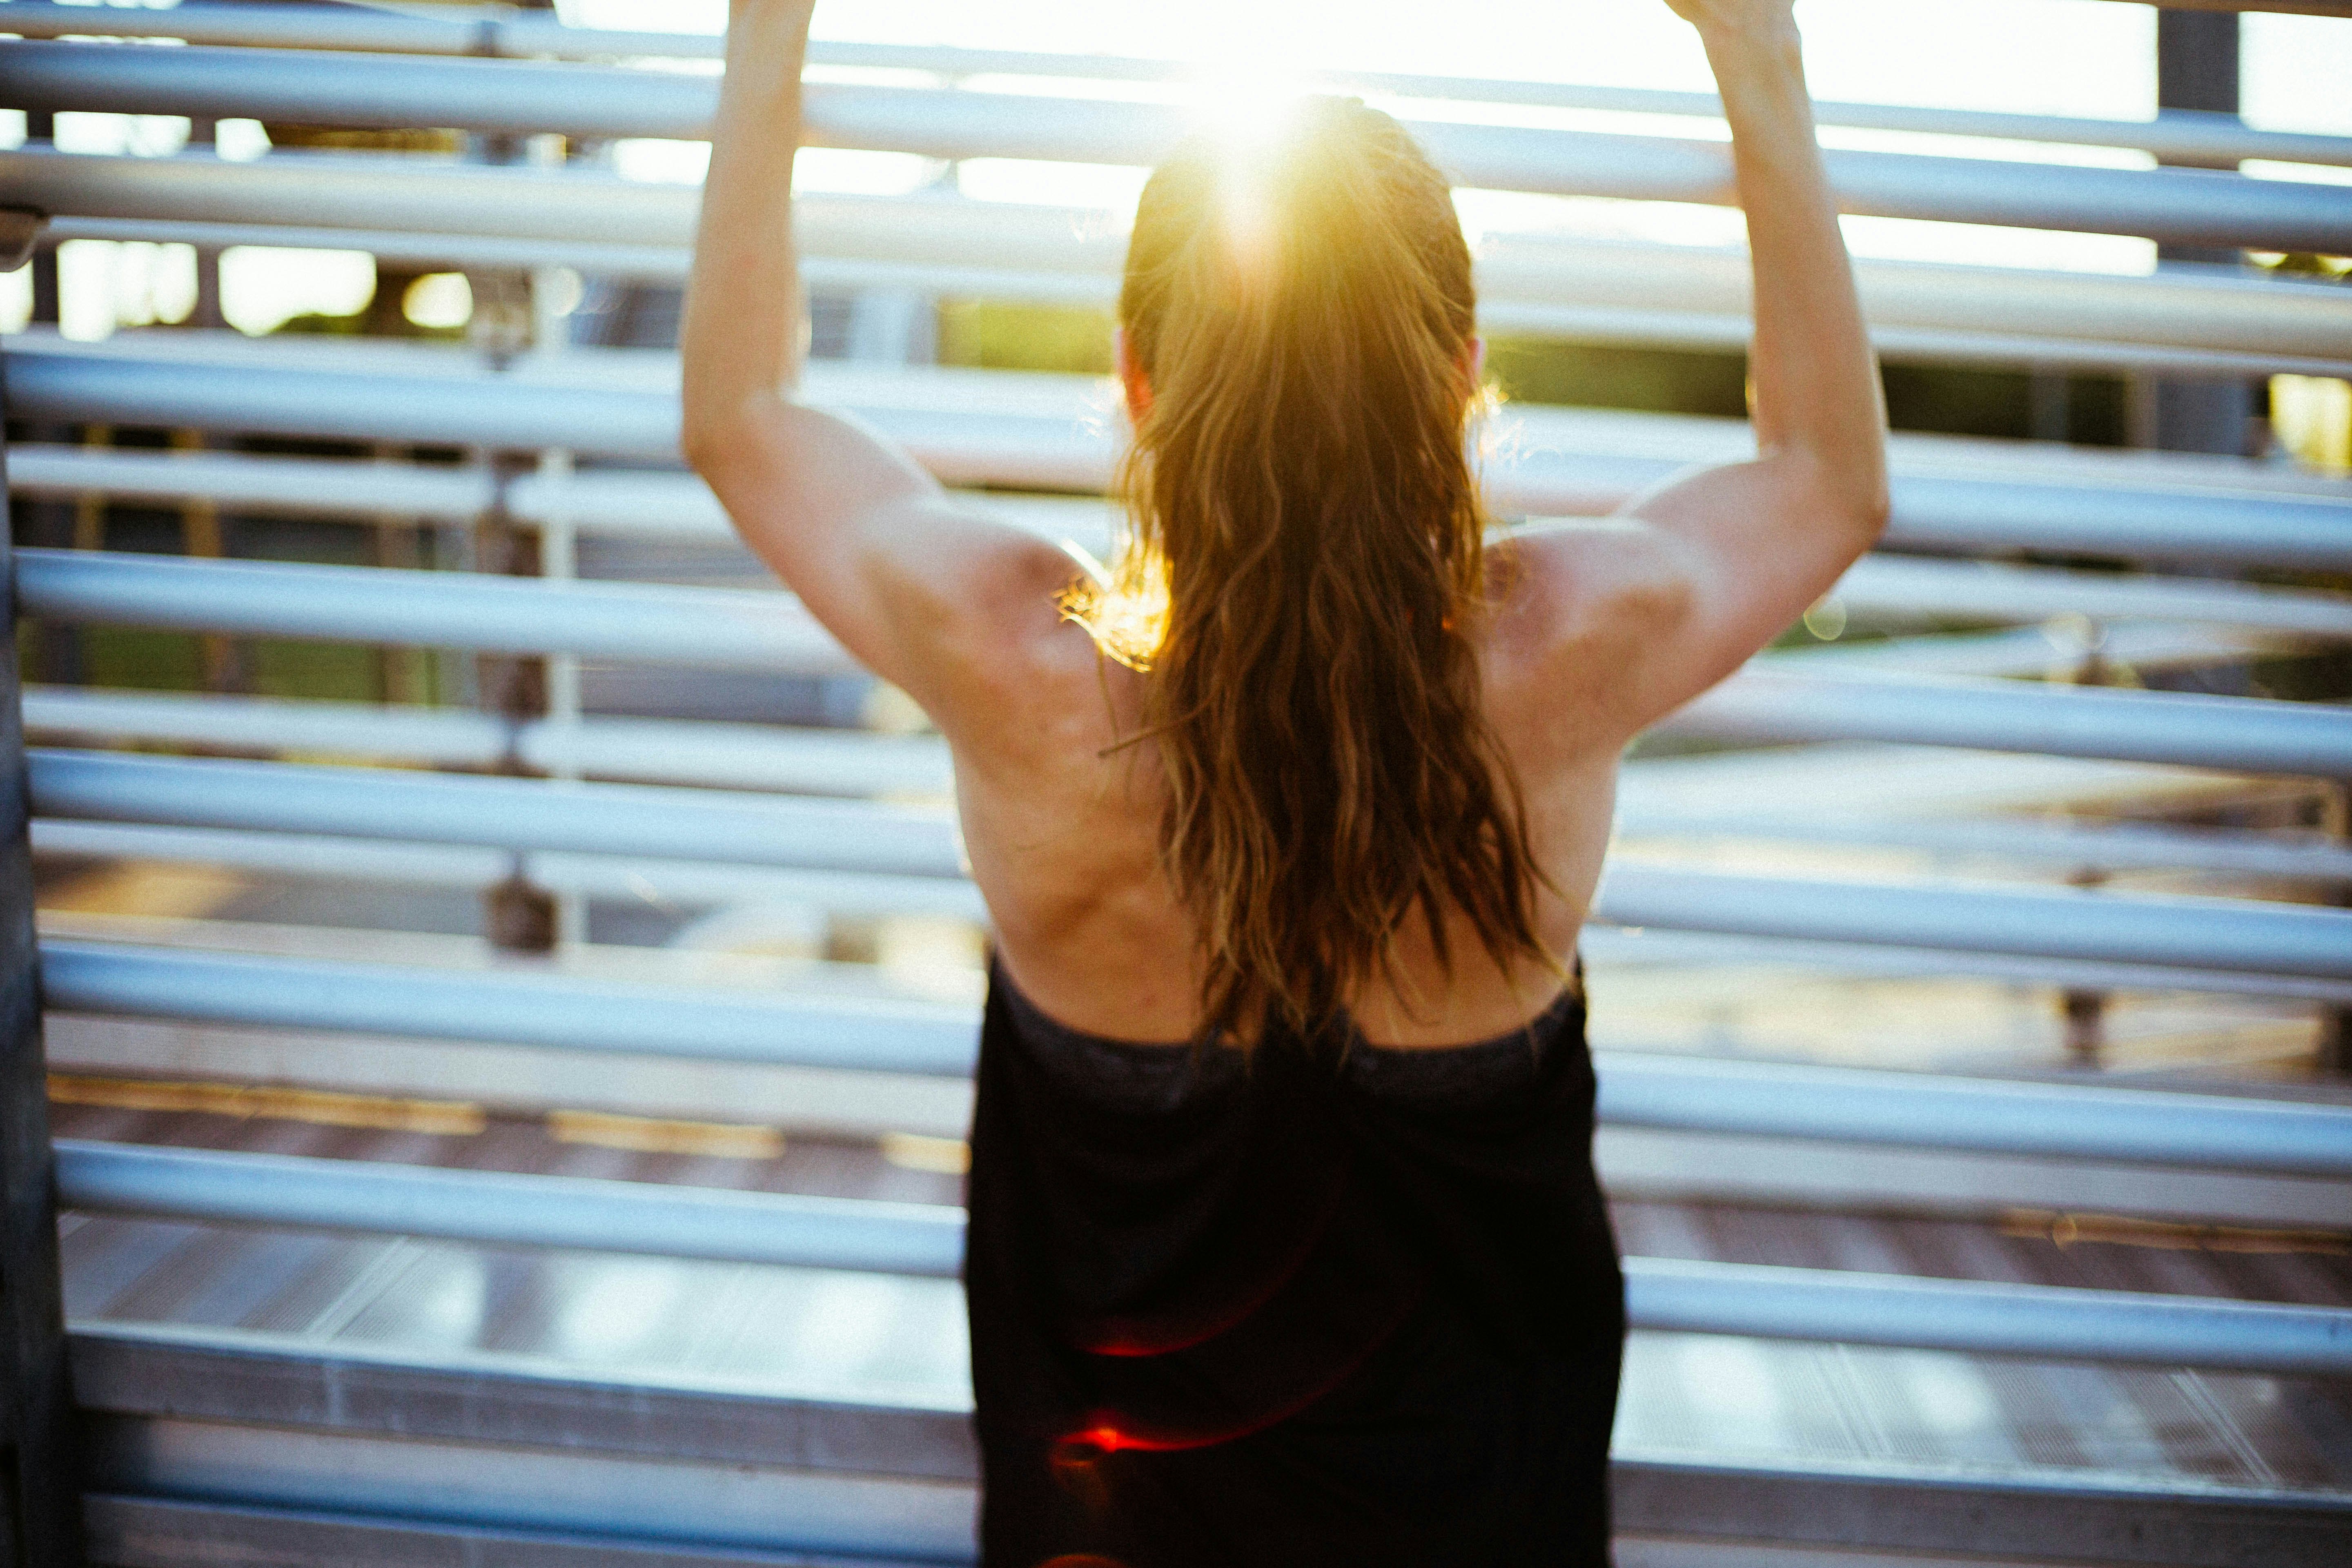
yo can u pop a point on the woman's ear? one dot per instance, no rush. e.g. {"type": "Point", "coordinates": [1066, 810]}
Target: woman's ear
{"type": "Point", "coordinates": [1475, 360]}
{"type": "Point", "coordinates": [1131, 378]}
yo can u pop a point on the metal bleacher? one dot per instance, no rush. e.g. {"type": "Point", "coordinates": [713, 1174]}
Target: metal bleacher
{"type": "Point", "coordinates": [382, 1244]}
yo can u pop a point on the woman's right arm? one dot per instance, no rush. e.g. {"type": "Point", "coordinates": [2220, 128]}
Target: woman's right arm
{"type": "Point", "coordinates": [925, 593]}
{"type": "Point", "coordinates": [1709, 567]}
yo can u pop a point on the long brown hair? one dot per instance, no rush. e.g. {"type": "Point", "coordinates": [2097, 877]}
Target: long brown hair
{"type": "Point", "coordinates": [1303, 563]}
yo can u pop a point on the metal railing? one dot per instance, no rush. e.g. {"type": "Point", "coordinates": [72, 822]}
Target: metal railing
{"type": "Point", "coordinates": [701, 884]}
{"type": "Point", "coordinates": [770, 631]}
{"type": "Point", "coordinates": [903, 840]}
{"type": "Point", "coordinates": [2199, 321]}
{"type": "Point", "coordinates": [2182, 136]}
{"type": "Point", "coordinates": [1049, 434]}
{"type": "Point", "coordinates": [825, 762]}
{"type": "Point", "coordinates": [2178, 206]}
{"type": "Point", "coordinates": [647, 503]}
{"type": "Point", "coordinates": [779, 1028]}
{"type": "Point", "coordinates": [499, 1209]}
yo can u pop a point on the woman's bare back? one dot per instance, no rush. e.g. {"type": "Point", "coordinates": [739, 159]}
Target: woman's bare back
{"type": "Point", "coordinates": [1061, 806]}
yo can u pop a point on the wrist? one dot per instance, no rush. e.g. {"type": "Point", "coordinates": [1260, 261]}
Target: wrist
{"type": "Point", "coordinates": [1749, 42]}
{"type": "Point", "coordinates": [759, 15]}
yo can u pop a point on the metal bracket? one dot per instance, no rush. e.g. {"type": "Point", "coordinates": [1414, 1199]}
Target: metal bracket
{"type": "Point", "coordinates": [19, 229]}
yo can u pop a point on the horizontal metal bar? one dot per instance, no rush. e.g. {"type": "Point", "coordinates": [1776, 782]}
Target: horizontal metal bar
{"type": "Point", "coordinates": [552, 1507]}
{"type": "Point", "coordinates": [638, 819]}
{"type": "Point", "coordinates": [562, 1012]}
{"type": "Point", "coordinates": [296, 191]}
{"type": "Point", "coordinates": [466, 410]}
{"type": "Point", "coordinates": [2212, 308]}
{"type": "Point", "coordinates": [456, 30]}
{"type": "Point", "coordinates": [2218, 318]}
{"type": "Point", "coordinates": [1843, 1510]}
{"type": "Point", "coordinates": [1935, 512]}
{"type": "Point", "coordinates": [969, 429]}
{"type": "Point", "coordinates": [831, 762]}
{"type": "Point", "coordinates": [215, 1382]}
{"type": "Point", "coordinates": [668, 625]}
{"type": "Point", "coordinates": [1688, 1094]}
{"type": "Point", "coordinates": [699, 885]}
{"type": "Point", "coordinates": [1652, 948]}
{"type": "Point", "coordinates": [497, 1209]}
{"type": "Point", "coordinates": [430, 251]}
{"type": "Point", "coordinates": [380, 1503]}
{"type": "Point", "coordinates": [653, 750]}
{"type": "Point", "coordinates": [2238, 735]}
{"type": "Point", "coordinates": [210, 1384]}
{"type": "Point", "coordinates": [1897, 585]}
{"type": "Point", "coordinates": [2197, 934]}
{"type": "Point", "coordinates": [2184, 206]}
{"type": "Point", "coordinates": [676, 884]}
{"type": "Point", "coordinates": [671, 505]}
{"type": "Point", "coordinates": [2184, 136]}
{"type": "Point", "coordinates": [354, 1387]}
{"type": "Point", "coordinates": [1675, 324]}
{"type": "Point", "coordinates": [648, 820]}
{"type": "Point", "coordinates": [2296, 856]}
{"type": "Point", "coordinates": [644, 623]}
{"type": "Point", "coordinates": [1824, 688]}
{"type": "Point", "coordinates": [2287, 8]}
{"type": "Point", "coordinates": [1703, 1094]}
{"type": "Point", "coordinates": [2038, 1320]}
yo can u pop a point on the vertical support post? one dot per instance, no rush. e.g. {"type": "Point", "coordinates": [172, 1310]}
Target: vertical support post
{"type": "Point", "coordinates": [56, 653]}
{"type": "Point", "coordinates": [41, 127]}
{"type": "Point", "coordinates": [2334, 1041]}
{"type": "Point", "coordinates": [2084, 1011]}
{"type": "Point", "coordinates": [40, 1509]}
{"type": "Point", "coordinates": [203, 136]}
{"type": "Point", "coordinates": [519, 915]}
{"type": "Point", "coordinates": [2197, 68]}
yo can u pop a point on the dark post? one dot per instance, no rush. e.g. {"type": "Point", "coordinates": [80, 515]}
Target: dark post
{"type": "Point", "coordinates": [41, 1506]}
{"type": "Point", "coordinates": [2197, 68]}
{"type": "Point", "coordinates": [519, 915]}
{"type": "Point", "coordinates": [57, 652]}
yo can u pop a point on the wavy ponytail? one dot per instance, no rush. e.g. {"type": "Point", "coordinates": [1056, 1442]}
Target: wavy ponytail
{"type": "Point", "coordinates": [1303, 563]}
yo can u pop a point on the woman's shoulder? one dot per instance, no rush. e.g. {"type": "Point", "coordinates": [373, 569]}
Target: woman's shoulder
{"type": "Point", "coordinates": [989, 633]}
{"type": "Point", "coordinates": [1577, 598]}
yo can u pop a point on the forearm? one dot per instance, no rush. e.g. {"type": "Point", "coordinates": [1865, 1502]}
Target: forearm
{"type": "Point", "coordinates": [741, 339]}
{"type": "Point", "coordinates": [1817, 400]}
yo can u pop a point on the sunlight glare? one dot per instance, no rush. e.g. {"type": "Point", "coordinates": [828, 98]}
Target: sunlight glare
{"type": "Point", "coordinates": [1246, 107]}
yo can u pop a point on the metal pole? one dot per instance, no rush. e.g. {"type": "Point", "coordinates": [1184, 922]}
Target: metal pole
{"type": "Point", "coordinates": [41, 1509]}
{"type": "Point", "coordinates": [501, 97]}
{"type": "Point", "coordinates": [57, 649]}
{"type": "Point", "coordinates": [517, 914]}
{"type": "Point", "coordinates": [726, 1224]}
{"type": "Point", "coordinates": [2197, 68]}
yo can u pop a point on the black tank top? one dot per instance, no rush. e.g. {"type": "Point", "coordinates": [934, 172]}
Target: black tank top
{"type": "Point", "coordinates": [1329, 1304]}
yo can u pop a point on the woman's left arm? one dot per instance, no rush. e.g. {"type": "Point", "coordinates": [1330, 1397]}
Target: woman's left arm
{"type": "Point", "coordinates": [915, 588]}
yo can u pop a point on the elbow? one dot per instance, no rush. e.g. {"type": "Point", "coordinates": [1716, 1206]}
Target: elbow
{"type": "Point", "coordinates": [1873, 508]}
{"type": "Point", "coordinates": [710, 433]}
{"type": "Point", "coordinates": [701, 433]}
{"type": "Point", "coordinates": [700, 445]}
{"type": "Point", "coordinates": [1849, 492]}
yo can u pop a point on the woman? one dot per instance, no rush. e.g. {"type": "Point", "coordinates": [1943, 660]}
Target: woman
{"type": "Point", "coordinates": [1284, 1246]}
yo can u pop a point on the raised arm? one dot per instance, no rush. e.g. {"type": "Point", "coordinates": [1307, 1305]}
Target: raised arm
{"type": "Point", "coordinates": [1709, 567]}
{"type": "Point", "coordinates": [923, 594]}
